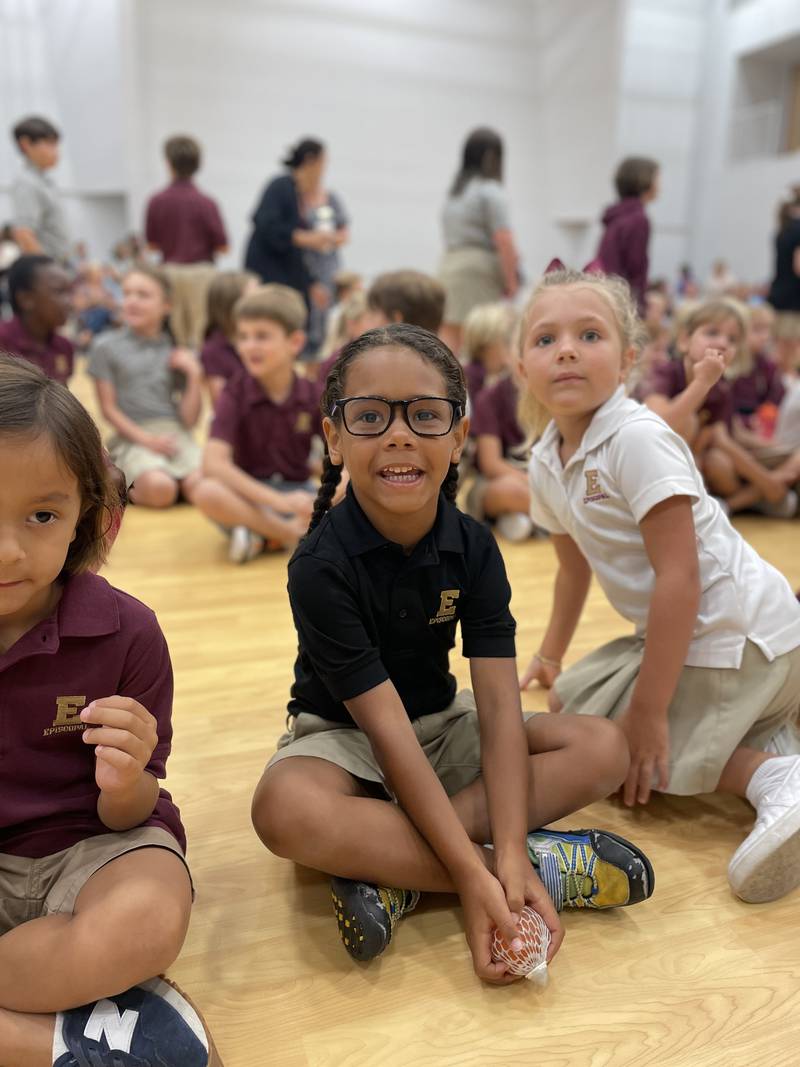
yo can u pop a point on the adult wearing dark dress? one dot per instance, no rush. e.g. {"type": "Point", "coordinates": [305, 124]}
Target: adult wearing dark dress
{"type": "Point", "coordinates": [281, 234]}
{"type": "Point", "coordinates": [784, 293]}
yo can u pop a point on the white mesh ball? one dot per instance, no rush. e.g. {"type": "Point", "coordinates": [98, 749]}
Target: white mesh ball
{"type": "Point", "coordinates": [531, 960]}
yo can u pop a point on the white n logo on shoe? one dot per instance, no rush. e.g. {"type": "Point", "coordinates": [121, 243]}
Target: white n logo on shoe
{"type": "Point", "coordinates": [106, 1019]}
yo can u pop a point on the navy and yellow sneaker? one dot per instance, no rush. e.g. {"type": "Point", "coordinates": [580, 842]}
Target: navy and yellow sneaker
{"type": "Point", "coordinates": [367, 915]}
{"type": "Point", "coordinates": [152, 1023]}
{"type": "Point", "coordinates": [590, 868]}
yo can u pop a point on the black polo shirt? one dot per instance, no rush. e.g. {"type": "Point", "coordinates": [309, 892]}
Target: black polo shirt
{"type": "Point", "coordinates": [365, 612]}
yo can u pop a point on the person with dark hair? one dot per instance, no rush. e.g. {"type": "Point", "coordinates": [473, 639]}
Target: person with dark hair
{"type": "Point", "coordinates": [784, 291]}
{"type": "Point", "coordinates": [623, 246]}
{"type": "Point", "coordinates": [378, 588]}
{"type": "Point", "coordinates": [40, 292]}
{"type": "Point", "coordinates": [218, 356]}
{"type": "Point", "coordinates": [91, 848]}
{"type": "Point", "coordinates": [38, 217]}
{"type": "Point", "coordinates": [186, 227]}
{"type": "Point", "coordinates": [480, 263]}
{"type": "Point", "coordinates": [282, 233]}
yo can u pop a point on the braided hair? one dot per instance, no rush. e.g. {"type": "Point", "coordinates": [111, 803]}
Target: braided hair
{"type": "Point", "coordinates": [398, 335]}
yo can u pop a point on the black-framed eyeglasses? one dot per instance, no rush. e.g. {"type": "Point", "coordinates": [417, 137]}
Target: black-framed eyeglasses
{"type": "Point", "coordinates": [371, 416]}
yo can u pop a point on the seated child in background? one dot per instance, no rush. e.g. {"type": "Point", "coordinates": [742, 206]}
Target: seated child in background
{"type": "Point", "coordinates": [707, 689]}
{"type": "Point", "coordinates": [398, 296]}
{"type": "Point", "coordinates": [256, 463]}
{"type": "Point", "coordinates": [694, 398]}
{"type": "Point", "coordinates": [486, 346]}
{"type": "Point", "coordinates": [759, 381]}
{"type": "Point", "coordinates": [218, 356]}
{"type": "Point", "coordinates": [94, 303]}
{"type": "Point", "coordinates": [501, 490]}
{"type": "Point", "coordinates": [387, 778]}
{"type": "Point", "coordinates": [95, 894]}
{"type": "Point", "coordinates": [351, 321]}
{"type": "Point", "coordinates": [150, 392]}
{"type": "Point", "coordinates": [346, 284]}
{"type": "Point", "coordinates": [40, 292]}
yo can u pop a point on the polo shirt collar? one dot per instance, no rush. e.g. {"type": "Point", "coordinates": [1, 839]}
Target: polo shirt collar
{"type": "Point", "coordinates": [607, 420]}
{"type": "Point", "coordinates": [88, 608]}
{"type": "Point", "coordinates": [255, 393]}
{"type": "Point", "coordinates": [360, 536]}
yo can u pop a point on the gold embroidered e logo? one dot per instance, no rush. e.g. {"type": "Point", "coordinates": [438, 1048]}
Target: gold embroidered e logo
{"type": "Point", "coordinates": [592, 483]}
{"type": "Point", "coordinates": [447, 607]}
{"type": "Point", "coordinates": [68, 711]}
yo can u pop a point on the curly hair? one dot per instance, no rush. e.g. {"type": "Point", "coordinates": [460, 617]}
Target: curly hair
{"type": "Point", "coordinates": [399, 335]}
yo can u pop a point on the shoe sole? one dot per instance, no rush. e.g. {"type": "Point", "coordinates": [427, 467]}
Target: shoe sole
{"type": "Point", "coordinates": [363, 937]}
{"type": "Point", "coordinates": [770, 873]}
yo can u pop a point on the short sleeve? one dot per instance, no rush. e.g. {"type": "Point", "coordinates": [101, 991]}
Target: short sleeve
{"type": "Point", "coordinates": [147, 678]}
{"type": "Point", "coordinates": [496, 204]}
{"type": "Point", "coordinates": [487, 625]}
{"type": "Point", "coordinates": [330, 629]}
{"type": "Point", "coordinates": [664, 379]}
{"type": "Point", "coordinates": [99, 365]}
{"type": "Point", "coordinates": [225, 423]}
{"type": "Point", "coordinates": [26, 205]}
{"type": "Point", "coordinates": [541, 513]}
{"type": "Point", "coordinates": [650, 464]}
{"type": "Point", "coordinates": [485, 416]}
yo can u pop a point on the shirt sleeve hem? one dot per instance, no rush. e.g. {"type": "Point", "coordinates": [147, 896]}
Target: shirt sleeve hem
{"type": "Point", "coordinates": [659, 492]}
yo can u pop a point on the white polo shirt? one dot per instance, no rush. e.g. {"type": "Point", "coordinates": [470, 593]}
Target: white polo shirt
{"type": "Point", "coordinates": [628, 461]}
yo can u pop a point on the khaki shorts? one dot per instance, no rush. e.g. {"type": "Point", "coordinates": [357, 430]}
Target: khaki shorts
{"type": "Point", "coordinates": [787, 326]}
{"type": "Point", "coordinates": [713, 712]}
{"type": "Point", "coordinates": [450, 739]}
{"type": "Point", "coordinates": [470, 276]}
{"type": "Point", "coordinates": [30, 889]}
{"type": "Point", "coordinates": [133, 460]}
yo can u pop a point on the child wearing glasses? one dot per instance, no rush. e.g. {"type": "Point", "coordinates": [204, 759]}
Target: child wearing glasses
{"type": "Point", "coordinates": [388, 779]}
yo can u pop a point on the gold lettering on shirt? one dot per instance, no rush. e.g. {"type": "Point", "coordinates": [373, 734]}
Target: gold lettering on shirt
{"type": "Point", "coordinates": [303, 424]}
{"type": "Point", "coordinates": [447, 607]}
{"type": "Point", "coordinates": [594, 490]}
{"type": "Point", "coordinates": [68, 711]}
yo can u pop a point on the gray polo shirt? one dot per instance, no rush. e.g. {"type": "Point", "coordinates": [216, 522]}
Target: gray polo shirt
{"type": "Point", "coordinates": [138, 368]}
{"type": "Point", "coordinates": [36, 205]}
{"type": "Point", "coordinates": [473, 217]}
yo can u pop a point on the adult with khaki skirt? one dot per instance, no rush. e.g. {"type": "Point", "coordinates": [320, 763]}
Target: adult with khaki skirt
{"type": "Point", "coordinates": [480, 263]}
{"type": "Point", "coordinates": [185, 226]}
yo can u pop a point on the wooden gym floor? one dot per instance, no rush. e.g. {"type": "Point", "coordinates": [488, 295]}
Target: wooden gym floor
{"type": "Point", "coordinates": [692, 978]}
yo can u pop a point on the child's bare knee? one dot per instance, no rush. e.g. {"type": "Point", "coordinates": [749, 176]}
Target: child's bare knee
{"type": "Point", "coordinates": [610, 753]}
{"type": "Point", "coordinates": [280, 813]}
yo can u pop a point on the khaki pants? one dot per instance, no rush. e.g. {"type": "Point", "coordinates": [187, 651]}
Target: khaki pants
{"type": "Point", "coordinates": [190, 282]}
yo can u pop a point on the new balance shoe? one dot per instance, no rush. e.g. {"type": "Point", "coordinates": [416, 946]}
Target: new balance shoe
{"type": "Point", "coordinates": [152, 1025]}
{"type": "Point", "coordinates": [244, 545]}
{"type": "Point", "coordinates": [368, 914]}
{"type": "Point", "coordinates": [766, 865]}
{"type": "Point", "coordinates": [590, 868]}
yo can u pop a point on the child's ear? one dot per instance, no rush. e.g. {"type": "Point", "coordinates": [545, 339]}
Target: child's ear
{"type": "Point", "coordinates": [460, 432]}
{"type": "Point", "coordinates": [628, 360]}
{"type": "Point", "coordinates": [297, 339]}
{"type": "Point", "coordinates": [333, 439]}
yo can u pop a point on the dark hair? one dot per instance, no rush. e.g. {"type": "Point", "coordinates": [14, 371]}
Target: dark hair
{"type": "Point", "coordinates": [399, 335]}
{"type": "Point", "coordinates": [183, 155]}
{"type": "Point", "coordinates": [22, 276]}
{"type": "Point", "coordinates": [223, 293]}
{"type": "Point", "coordinates": [416, 297]}
{"type": "Point", "coordinates": [482, 157]}
{"type": "Point", "coordinates": [635, 175]}
{"type": "Point", "coordinates": [31, 404]}
{"type": "Point", "coordinates": [308, 148]}
{"type": "Point", "coordinates": [35, 129]}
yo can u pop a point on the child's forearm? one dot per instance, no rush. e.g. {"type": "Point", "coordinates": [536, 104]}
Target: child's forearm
{"type": "Point", "coordinates": [126, 427]}
{"type": "Point", "coordinates": [684, 405]}
{"type": "Point", "coordinates": [124, 811]}
{"type": "Point", "coordinates": [569, 595]}
{"type": "Point", "coordinates": [670, 624]}
{"type": "Point", "coordinates": [745, 465]}
{"type": "Point", "coordinates": [191, 402]}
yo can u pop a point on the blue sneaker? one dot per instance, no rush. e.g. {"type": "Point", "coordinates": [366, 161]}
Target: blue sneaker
{"type": "Point", "coordinates": [590, 868]}
{"type": "Point", "coordinates": [152, 1025]}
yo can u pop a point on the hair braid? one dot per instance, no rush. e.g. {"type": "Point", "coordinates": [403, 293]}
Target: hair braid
{"type": "Point", "coordinates": [331, 476]}
{"type": "Point", "coordinates": [450, 484]}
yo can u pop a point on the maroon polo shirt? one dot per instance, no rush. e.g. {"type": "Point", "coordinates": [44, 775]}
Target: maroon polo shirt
{"type": "Point", "coordinates": [268, 438]}
{"type": "Point", "coordinates": [55, 356]}
{"type": "Point", "coordinates": [669, 379]}
{"type": "Point", "coordinates": [495, 415]}
{"type": "Point", "coordinates": [99, 642]}
{"type": "Point", "coordinates": [475, 377]}
{"type": "Point", "coordinates": [184, 224]}
{"type": "Point", "coordinates": [218, 356]}
{"type": "Point", "coordinates": [763, 385]}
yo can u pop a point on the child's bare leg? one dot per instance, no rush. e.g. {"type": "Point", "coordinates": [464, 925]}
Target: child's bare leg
{"type": "Point", "coordinates": [507, 494]}
{"type": "Point", "coordinates": [128, 925]}
{"type": "Point", "coordinates": [315, 813]}
{"type": "Point", "coordinates": [772, 486]}
{"type": "Point", "coordinates": [189, 484]}
{"type": "Point", "coordinates": [154, 489]}
{"type": "Point", "coordinates": [719, 473]}
{"type": "Point", "coordinates": [26, 1040]}
{"type": "Point", "coordinates": [226, 507]}
{"type": "Point", "coordinates": [739, 769]}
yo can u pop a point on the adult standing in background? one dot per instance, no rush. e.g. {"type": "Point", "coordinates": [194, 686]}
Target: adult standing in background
{"type": "Point", "coordinates": [323, 212]}
{"type": "Point", "coordinates": [784, 292]}
{"type": "Point", "coordinates": [281, 233]}
{"type": "Point", "coordinates": [186, 227]}
{"type": "Point", "coordinates": [39, 225]}
{"type": "Point", "coordinates": [480, 263]}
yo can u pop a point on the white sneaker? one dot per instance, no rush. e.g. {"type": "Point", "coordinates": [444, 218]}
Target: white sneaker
{"type": "Point", "coordinates": [766, 865]}
{"type": "Point", "coordinates": [244, 545]}
{"type": "Point", "coordinates": [785, 509]}
{"type": "Point", "coordinates": [515, 527]}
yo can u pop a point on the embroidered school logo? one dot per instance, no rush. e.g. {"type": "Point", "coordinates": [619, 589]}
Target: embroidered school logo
{"type": "Point", "coordinates": [447, 606]}
{"type": "Point", "coordinates": [594, 490]}
{"type": "Point", "coordinates": [68, 716]}
{"type": "Point", "coordinates": [303, 424]}
{"type": "Point", "coordinates": [62, 365]}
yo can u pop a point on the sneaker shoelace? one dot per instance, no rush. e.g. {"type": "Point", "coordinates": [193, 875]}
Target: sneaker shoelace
{"type": "Point", "coordinates": [568, 878]}
{"type": "Point", "coordinates": [398, 902]}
